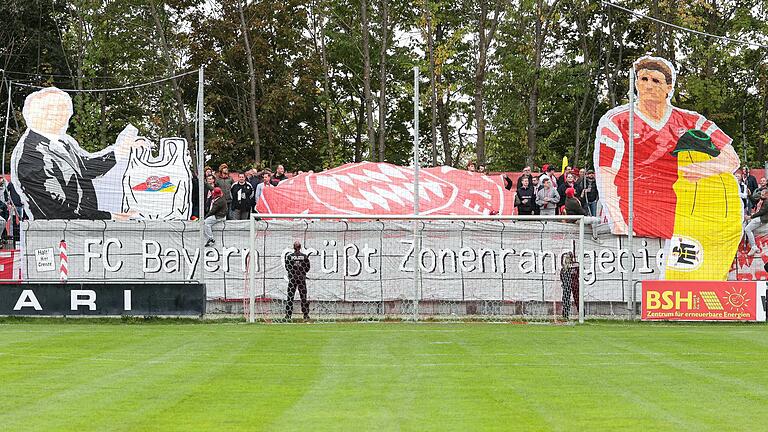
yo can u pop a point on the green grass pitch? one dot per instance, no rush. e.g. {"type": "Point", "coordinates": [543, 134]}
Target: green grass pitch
{"type": "Point", "coordinates": [387, 376]}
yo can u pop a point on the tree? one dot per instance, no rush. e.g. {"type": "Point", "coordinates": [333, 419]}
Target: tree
{"type": "Point", "coordinates": [486, 32]}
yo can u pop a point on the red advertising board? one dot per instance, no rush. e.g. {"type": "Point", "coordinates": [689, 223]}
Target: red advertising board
{"type": "Point", "coordinates": [703, 300]}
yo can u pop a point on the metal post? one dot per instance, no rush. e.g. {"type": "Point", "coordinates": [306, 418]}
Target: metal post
{"type": "Point", "coordinates": [631, 184]}
{"type": "Point", "coordinates": [200, 173]}
{"type": "Point", "coordinates": [416, 140]}
{"type": "Point", "coordinates": [7, 116]}
{"type": "Point", "coordinates": [252, 268]}
{"type": "Point", "coordinates": [416, 197]}
{"type": "Point", "coordinates": [582, 286]}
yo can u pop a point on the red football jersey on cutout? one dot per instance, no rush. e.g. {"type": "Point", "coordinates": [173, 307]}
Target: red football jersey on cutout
{"type": "Point", "coordinates": [655, 167]}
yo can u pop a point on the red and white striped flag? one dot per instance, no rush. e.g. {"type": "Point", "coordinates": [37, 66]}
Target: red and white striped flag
{"type": "Point", "coordinates": [64, 266]}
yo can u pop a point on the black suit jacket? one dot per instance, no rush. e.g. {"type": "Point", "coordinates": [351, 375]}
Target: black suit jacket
{"type": "Point", "coordinates": [36, 167]}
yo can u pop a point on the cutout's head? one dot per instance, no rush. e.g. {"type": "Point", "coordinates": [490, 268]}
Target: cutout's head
{"type": "Point", "coordinates": [654, 79]}
{"type": "Point", "coordinates": [297, 245]}
{"type": "Point", "coordinates": [48, 111]}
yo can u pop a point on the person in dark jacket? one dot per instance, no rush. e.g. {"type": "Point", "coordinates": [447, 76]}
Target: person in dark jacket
{"type": "Point", "coordinates": [572, 205]}
{"type": "Point", "coordinates": [755, 197]}
{"type": "Point", "coordinates": [756, 220]}
{"type": "Point", "coordinates": [279, 175]}
{"type": "Point", "coordinates": [224, 182]}
{"type": "Point", "coordinates": [570, 182]}
{"type": "Point", "coordinates": [586, 190]}
{"type": "Point", "coordinates": [563, 177]}
{"type": "Point", "coordinates": [210, 184]}
{"type": "Point", "coordinates": [297, 265]}
{"type": "Point", "coordinates": [216, 213]}
{"type": "Point", "coordinates": [242, 198]}
{"type": "Point", "coordinates": [750, 180]}
{"type": "Point", "coordinates": [526, 174]}
{"type": "Point", "coordinates": [526, 198]}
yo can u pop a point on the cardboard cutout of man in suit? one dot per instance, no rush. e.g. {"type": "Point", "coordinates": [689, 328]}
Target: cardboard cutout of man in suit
{"type": "Point", "coordinates": [53, 175]}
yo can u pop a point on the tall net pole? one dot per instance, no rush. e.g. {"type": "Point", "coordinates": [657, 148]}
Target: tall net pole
{"type": "Point", "coordinates": [251, 269]}
{"type": "Point", "coordinates": [631, 203]}
{"type": "Point", "coordinates": [581, 277]}
{"type": "Point", "coordinates": [7, 116]}
{"type": "Point", "coordinates": [200, 162]}
{"type": "Point", "coordinates": [416, 239]}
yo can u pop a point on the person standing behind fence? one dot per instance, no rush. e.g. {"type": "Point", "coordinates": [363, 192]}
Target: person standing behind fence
{"type": "Point", "coordinates": [547, 197]}
{"type": "Point", "coordinates": [224, 182]}
{"type": "Point", "coordinates": [569, 276]}
{"type": "Point", "coordinates": [588, 194]}
{"type": "Point", "coordinates": [755, 221]}
{"type": "Point", "coordinates": [525, 198]}
{"type": "Point", "coordinates": [265, 183]}
{"type": "Point", "coordinates": [242, 198]}
{"type": "Point", "coordinates": [743, 193]}
{"type": "Point", "coordinates": [535, 185]}
{"type": "Point", "coordinates": [297, 266]}
{"type": "Point", "coordinates": [216, 213]}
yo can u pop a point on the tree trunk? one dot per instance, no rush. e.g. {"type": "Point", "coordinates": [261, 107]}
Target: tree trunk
{"type": "Point", "coordinates": [671, 13]}
{"type": "Point", "coordinates": [359, 122]}
{"type": "Point", "coordinates": [486, 32]}
{"type": "Point", "coordinates": [364, 28]}
{"type": "Point", "coordinates": [442, 113]}
{"type": "Point", "coordinates": [533, 96]}
{"type": "Point", "coordinates": [442, 108]}
{"type": "Point", "coordinates": [607, 71]}
{"type": "Point", "coordinates": [383, 79]}
{"type": "Point", "coordinates": [175, 85]}
{"type": "Point", "coordinates": [658, 39]}
{"type": "Point", "coordinates": [432, 85]}
{"type": "Point", "coordinates": [582, 26]}
{"type": "Point", "coordinates": [762, 124]}
{"type": "Point", "coordinates": [103, 115]}
{"type": "Point", "coordinates": [326, 76]}
{"type": "Point", "coordinates": [327, 91]}
{"type": "Point", "coordinates": [253, 115]}
{"type": "Point", "coordinates": [80, 49]}
{"type": "Point", "coordinates": [479, 80]}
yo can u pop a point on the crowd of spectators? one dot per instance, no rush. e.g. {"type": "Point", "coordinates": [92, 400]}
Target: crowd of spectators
{"type": "Point", "coordinates": [753, 196]}
{"type": "Point", "coordinates": [548, 194]}
{"type": "Point", "coordinates": [234, 196]}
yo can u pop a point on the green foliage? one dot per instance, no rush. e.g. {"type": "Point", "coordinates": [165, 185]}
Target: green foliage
{"type": "Point", "coordinates": [586, 52]}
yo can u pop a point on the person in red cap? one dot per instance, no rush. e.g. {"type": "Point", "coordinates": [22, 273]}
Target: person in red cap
{"type": "Point", "coordinates": [572, 204]}
{"type": "Point", "coordinates": [573, 207]}
{"type": "Point", "coordinates": [215, 213]}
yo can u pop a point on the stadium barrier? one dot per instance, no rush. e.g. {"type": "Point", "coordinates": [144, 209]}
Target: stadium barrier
{"type": "Point", "coordinates": [111, 299]}
{"type": "Point", "coordinates": [524, 283]}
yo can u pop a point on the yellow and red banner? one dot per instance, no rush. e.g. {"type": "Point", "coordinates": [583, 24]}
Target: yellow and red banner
{"type": "Point", "coordinates": [704, 300]}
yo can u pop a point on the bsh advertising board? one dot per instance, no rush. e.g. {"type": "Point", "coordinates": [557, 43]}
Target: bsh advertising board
{"type": "Point", "coordinates": [704, 300]}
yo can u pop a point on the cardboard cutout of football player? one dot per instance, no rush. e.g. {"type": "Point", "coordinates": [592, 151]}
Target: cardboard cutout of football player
{"type": "Point", "coordinates": [658, 127]}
